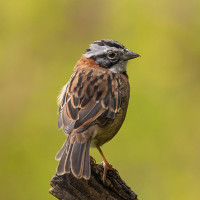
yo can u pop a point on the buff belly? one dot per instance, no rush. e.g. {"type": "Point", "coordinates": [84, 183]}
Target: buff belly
{"type": "Point", "coordinates": [101, 135]}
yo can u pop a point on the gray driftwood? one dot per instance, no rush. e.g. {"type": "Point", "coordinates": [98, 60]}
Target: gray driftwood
{"type": "Point", "coordinates": [67, 187]}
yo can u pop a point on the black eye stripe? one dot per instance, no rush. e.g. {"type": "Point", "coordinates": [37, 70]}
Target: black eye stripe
{"type": "Point", "coordinates": [104, 61]}
{"type": "Point", "coordinates": [98, 56]}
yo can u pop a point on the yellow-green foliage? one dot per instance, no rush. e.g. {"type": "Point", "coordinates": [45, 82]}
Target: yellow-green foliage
{"type": "Point", "coordinates": [157, 151]}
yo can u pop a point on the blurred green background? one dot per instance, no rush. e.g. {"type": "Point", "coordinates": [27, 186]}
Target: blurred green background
{"type": "Point", "coordinates": [157, 151]}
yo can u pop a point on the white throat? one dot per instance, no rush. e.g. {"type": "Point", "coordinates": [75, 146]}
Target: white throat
{"type": "Point", "coordinates": [120, 67]}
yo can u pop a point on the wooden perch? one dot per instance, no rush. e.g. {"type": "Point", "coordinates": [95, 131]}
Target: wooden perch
{"type": "Point", "coordinates": [67, 187]}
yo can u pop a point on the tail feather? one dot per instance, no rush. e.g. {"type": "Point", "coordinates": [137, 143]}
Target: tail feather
{"type": "Point", "coordinates": [61, 166]}
{"type": "Point", "coordinates": [87, 170]}
{"type": "Point", "coordinates": [77, 158]}
{"type": "Point", "coordinates": [61, 151]}
{"type": "Point", "coordinates": [74, 157]}
{"type": "Point", "coordinates": [68, 159]}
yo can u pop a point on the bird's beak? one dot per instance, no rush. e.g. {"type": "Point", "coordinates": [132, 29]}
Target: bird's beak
{"type": "Point", "coordinates": [129, 55]}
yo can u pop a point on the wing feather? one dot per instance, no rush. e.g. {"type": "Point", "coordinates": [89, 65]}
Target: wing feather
{"type": "Point", "coordinates": [90, 96]}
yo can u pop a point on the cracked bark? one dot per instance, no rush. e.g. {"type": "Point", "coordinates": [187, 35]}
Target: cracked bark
{"type": "Point", "coordinates": [67, 187]}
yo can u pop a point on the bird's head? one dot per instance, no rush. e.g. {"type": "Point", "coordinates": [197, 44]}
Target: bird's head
{"type": "Point", "coordinates": [110, 54]}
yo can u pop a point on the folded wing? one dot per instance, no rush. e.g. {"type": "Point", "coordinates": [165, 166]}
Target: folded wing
{"type": "Point", "coordinates": [90, 96]}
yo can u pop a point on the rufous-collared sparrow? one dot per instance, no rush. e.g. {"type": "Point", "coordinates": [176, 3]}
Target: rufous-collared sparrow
{"type": "Point", "coordinates": [93, 105]}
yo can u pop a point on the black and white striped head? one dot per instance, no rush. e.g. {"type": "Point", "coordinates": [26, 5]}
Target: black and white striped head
{"type": "Point", "coordinates": [110, 54]}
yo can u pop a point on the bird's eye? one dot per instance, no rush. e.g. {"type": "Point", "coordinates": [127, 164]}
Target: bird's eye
{"type": "Point", "coordinates": [111, 54]}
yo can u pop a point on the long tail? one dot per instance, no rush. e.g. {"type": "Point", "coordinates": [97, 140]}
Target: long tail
{"type": "Point", "coordinates": [74, 156]}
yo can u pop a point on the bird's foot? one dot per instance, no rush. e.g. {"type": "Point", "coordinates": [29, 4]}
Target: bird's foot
{"type": "Point", "coordinates": [107, 166]}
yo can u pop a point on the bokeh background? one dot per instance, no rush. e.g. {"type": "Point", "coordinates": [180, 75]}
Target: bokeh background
{"type": "Point", "coordinates": [157, 151]}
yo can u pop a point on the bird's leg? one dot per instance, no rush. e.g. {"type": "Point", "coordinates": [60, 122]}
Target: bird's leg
{"type": "Point", "coordinates": [107, 166]}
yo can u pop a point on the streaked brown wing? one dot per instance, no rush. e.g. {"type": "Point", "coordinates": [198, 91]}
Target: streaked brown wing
{"type": "Point", "coordinates": [90, 95]}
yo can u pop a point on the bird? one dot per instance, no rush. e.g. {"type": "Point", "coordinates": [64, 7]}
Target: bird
{"type": "Point", "coordinates": [93, 105]}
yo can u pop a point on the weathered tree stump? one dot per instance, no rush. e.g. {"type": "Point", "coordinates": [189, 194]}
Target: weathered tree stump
{"type": "Point", "coordinates": [67, 187]}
